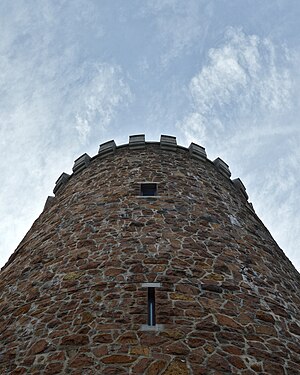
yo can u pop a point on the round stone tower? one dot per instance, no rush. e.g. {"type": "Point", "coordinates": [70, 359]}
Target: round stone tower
{"type": "Point", "coordinates": [149, 260]}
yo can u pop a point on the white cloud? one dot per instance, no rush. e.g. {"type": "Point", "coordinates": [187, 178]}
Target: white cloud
{"type": "Point", "coordinates": [181, 25]}
{"type": "Point", "coordinates": [99, 98]}
{"type": "Point", "coordinates": [244, 78]}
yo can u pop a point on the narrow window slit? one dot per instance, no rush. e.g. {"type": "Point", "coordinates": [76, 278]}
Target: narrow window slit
{"type": "Point", "coordinates": [151, 323]}
{"type": "Point", "coordinates": [151, 307]}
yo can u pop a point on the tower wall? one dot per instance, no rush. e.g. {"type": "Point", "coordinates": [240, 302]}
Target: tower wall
{"type": "Point", "coordinates": [74, 293]}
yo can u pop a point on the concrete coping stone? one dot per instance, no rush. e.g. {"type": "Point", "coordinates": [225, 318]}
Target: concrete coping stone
{"type": "Point", "coordinates": [137, 141]}
{"type": "Point", "coordinates": [107, 148]}
{"type": "Point", "coordinates": [197, 151]}
{"type": "Point", "coordinates": [157, 327]}
{"type": "Point", "coordinates": [222, 167]}
{"type": "Point", "coordinates": [62, 179]}
{"type": "Point", "coordinates": [80, 163]}
{"type": "Point", "coordinates": [49, 202]}
{"type": "Point", "coordinates": [151, 285]}
{"type": "Point", "coordinates": [240, 187]}
{"type": "Point", "coordinates": [168, 142]}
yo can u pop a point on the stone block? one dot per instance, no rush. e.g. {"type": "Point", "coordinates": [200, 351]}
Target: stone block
{"type": "Point", "coordinates": [222, 167]}
{"type": "Point", "coordinates": [167, 142]}
{"type": "Point", "coordinates": [240, 187]}
{"type": "Point", "coordinates": [151, 285]}
{"type": "Point", "coordinates": [157, 327]}
{"type": "Point", "coordinates": [80, 163]}
{"type": "Point", "coordinates": [107, 148]}
{"type": "Point", "coordinates": [197, 152]}
{"type": "Point", "coordinates": [137, 142]}
{"type": "Point", "coordinates": [49, 201]}
{"type": "Point", "coordinates": [63, 178]}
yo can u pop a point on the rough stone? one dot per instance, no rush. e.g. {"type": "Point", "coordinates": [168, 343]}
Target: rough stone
{"type": "Point", "coordinates": [72, 295]}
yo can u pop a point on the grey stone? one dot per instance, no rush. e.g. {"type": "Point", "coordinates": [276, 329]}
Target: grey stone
{"type": "Point", "coordinates": [80, 163]}
{"type": "Point", "coordinates": [240, 187]}
{"type": "Point", "coordinates": [107, 148]}
{"type": "Point", "coordinates": [49, 202]}
{"type": "Point", "coordinates": [222, 167]}
{"type": "Point", "coordinates": [168, 142]}
{"type": "Point", "coordinates": [62, 179]}
{"type": "Point", "coordinates": [137, 141]}
{"type": "Point", "coordinates": [197, 151]}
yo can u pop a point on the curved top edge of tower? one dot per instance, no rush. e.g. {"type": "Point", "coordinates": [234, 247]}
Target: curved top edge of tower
{"type": "Point", "coordinates": [137, 143]}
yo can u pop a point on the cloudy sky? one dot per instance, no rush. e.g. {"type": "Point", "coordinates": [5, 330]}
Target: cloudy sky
{"type": "Point", "coordinates": [221, 73]}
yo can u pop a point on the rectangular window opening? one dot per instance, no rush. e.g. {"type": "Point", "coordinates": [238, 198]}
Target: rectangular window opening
{"type": "Point", "coordinates": [148, 189]}
{"type": "Point", "coordinates": [151, 307]}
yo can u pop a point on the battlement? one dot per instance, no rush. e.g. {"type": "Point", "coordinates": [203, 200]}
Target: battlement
{"type": "Point", "coordinates": [138, 142]}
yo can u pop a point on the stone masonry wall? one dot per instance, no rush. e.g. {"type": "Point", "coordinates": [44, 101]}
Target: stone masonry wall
{"type": "Point", "coordinates": [72, 296]}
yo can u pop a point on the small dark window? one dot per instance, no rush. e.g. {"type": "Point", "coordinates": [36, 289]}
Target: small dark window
{"type": "Point", "coordinates": [151, 307]}
{"type": "Point", "coordinates": [149, 189]}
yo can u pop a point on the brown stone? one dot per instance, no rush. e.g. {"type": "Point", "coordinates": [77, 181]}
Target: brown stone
{"type": "Point", "coordinates": [197, 356]}
{"type": "Point", "coordinates": [261, 315]}
{"type": "Point", "coordinates": [74, 340]}
{"type": "Point", "coordinates": [176, 368]}
{"type": "Point", "coordinates": [81, 360]}
{"type": "Point", "coordinates": [233, 349]}
{"type": "Point", "coordinates": [295, 328]}
{"type": "Point", "coordinates": [181, 297]}
{"type": "Point", "coordinates": [58, 356]}
{"type": "Point", "coordinates": [104, 337]}
{"type": "Point", "coordinates": [114, 271]}
{"type": "Point", "coordinates": [208, 325]}
{"type": "Point", "coordinates": [155, 368]}
{"type": "Point", "coordinates": [128, 338]}
{"type": "Point", "coordinates": [73, 275]}
{"type": "Point", "coordinates": [100, 351]}
{"type": "Point", "coordinates": [237, 362]}
{"type": "Point", "coordinates": [148, 339]}
{"type": "Point", "coordinates": [53, 368]}
{"type": "Point", "coordinates": [195, 342]}
{"type": "Point", "coordinates": [226, 321]}
{"type": "Point", "coordinates": [38, 347]}
{"type": "Point", "coordinates": [178, 348]}
{"type": "Point", "coordinates": [257, 367]}
{"type": "Point", "coordinates": [118, 358]}
{"type": "Point", "coordinates": [219, 363]}
{"type": "Point", "coordinates": [141, 366]}
{"type": "Point", "coordinates": [22, 310]}
{"type": "Point", "coordinates": [19, 371]}
{"type": "Point", "coordinates": [173, 333]}
{"type": "Point", "coordinates": [140, 350]}
{"type": "Point", "coordinates": [265, 330]}
{"type": "Point", "coordinates": [86, 317]}
{"type": "Point", "coordinates": [273, 368]}
{"type": "Point", "coordinates": [244, 319]}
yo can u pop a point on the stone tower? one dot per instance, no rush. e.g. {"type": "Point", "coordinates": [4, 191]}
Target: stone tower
{"type": "Point", "coordinates": [149, 260]}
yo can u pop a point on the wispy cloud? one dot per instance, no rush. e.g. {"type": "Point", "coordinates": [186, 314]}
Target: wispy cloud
{"type": "Point", "coordinates": [99, 98]}
{"type": "Point", "coordinates": [181, 26]}
{"type": "Point", "coordinates": [245, 78]}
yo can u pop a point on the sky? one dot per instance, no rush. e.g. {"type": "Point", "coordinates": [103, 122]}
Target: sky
{"type": "Point", "coordinates": [221, 73]}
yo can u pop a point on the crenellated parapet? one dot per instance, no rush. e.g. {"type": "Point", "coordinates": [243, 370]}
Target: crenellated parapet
{"type": "Point", "coordinates": [166, 143]}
